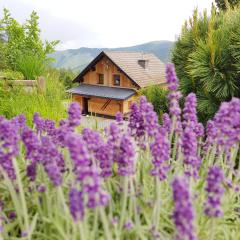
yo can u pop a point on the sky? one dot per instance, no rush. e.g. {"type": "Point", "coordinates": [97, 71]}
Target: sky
{"type": "Point", "coordinates": [106, 23]}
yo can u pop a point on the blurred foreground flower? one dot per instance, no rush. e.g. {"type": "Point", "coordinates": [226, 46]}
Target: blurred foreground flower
{"type": "Point", "coordinates": [214, 191]}
{"type": "Point", "coordinates": [183, 214]}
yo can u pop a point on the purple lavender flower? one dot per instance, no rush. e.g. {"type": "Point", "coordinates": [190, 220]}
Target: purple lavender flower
{"type": "Point", "coordinates": [79, 153]}
{"type": "Point", "coordinates": [24, 234]}
{"type": "Point", "coordinates": [190, 114]}
{"type": "Point", "coordinates": [173, 98]}
{"type": "Point", "coordinates": [190, 151]}
{"type": "Point", "coordinates": [52, 161]}
{"type": "Point", "coordinates": [49, 127]}
{"type": "Point", "coordinates": [12, 216]}
{"type": "Point", "coordinates": [125, 160]}
{"type": "Point", "coordinates": [171, 77]}
{"type": "Point", "coordinates": [149, 115]}
{"type": "Point", "coordinates": [93, 139]}
{"type": "Point", "coordinates": [114, 136]}
{"type": "Point", "coordinates": [76, 203]}
{"type": "Point", "coordinates": [115, 221]}
{"type": "Point", "coordinates": [104, 157]}
{"type": "Point", "coordinates": [175, 110]}
{"type": "Point", "coordinates": [166, 122]}
{"type": "Point", "coordinates": [86, 172]}
{"type": "Point", "coordinates": [189, 111]}
{"type": "Point", "coordinates": [211, 132]}
{"type": "Point", "coordinates": [60, 134]}
{"type": "Point", "coordinates": [41, 188]}
{"type": "Point", "coordinates": [160, 150]}
{"type": "Point", "coordinates": [38, 122]}
{"type": "Point", "coordinates": [214, 191]}
{"type": "Point", "coordinates": [183, 215]}
{"type": "Point", "coordinates": [227, 124]}
{"type": "Point", "coordinates": [128, 225]}
{"type": "Point", "coordinates": [74, 114]}
{"type": "Point", "coordinates": [143, 121]}
{"type": "Point", "coordinates": [119, 118]}
{"type": "Point", "coordinates": [136, 123]}
{"type": "Point", "coordinates": [19, 121]}
{"type": "Point", "coordinates": [8, 146]}
{"type": "Point", "coordinates": [199, 130]}
{"type": "Point", "coordinates": [32, 145]}
{"type": "Point", "coordinates": [96, 196]}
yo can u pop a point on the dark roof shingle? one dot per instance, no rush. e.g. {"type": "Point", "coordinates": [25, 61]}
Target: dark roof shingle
{"type": "Point", "coordinates": [102, 92]}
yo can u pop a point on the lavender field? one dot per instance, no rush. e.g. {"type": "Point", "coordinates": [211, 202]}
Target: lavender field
{"type": "Point", "coordinates": [175, 180]}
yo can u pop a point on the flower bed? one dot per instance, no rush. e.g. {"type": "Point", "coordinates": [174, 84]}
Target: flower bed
{"type": "Point", "coordinates": [148, 181]}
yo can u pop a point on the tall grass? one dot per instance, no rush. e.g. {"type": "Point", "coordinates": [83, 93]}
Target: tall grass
{"type": "Point", "coordinates": [31, 66]}
{"type": "Point", "coordinates": [16, 100]}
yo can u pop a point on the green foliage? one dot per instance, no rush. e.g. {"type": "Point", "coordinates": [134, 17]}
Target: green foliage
{"type": "Point", "coordinates": [23, 44]}
{"type": "Point", "coordinates": [206, 57]}
{"type": "Point", "coordinates": [16, 100]}
{"type": "Point", "coordinates": [158, 97]}
{"type": "Point", "coordinates": [66, 76]}
{"type": "Point", "coordinates": [223, 4]}
{"type": "Point", "coordinates": [11, 75]}
{"type": "Point", "coordinates": [31, 66]}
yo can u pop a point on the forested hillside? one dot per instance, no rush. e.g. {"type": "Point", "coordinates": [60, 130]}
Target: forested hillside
{"type": "Point", "coordinates": [77, 59]}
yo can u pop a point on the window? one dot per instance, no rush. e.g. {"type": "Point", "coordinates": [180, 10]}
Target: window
{"type": "Point", "coordinates": [100, 78]}
{"type": "Point", "coordinates": [116, 80]}
{"type": "Point", "coordinates": [143, 63]}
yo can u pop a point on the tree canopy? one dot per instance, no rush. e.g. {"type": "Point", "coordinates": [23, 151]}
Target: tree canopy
{"type": "Point", "coordinates": [21, 44]}
{"type": "Point", "coordinates": [207, 58]}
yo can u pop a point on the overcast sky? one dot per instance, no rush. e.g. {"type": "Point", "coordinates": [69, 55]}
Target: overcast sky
{"type": "Point", "coordinates": [106, 23]}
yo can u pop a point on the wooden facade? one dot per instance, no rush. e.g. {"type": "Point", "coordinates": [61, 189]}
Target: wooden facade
{"type": "Point", "coordinates": [121, 71]}
{"type": "Point", "coordinates": [109, 70]}
{"type": "Point", "coordinates": [103, 106]}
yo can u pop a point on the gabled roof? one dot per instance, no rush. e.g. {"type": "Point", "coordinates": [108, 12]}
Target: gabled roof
{"type": "Point", "coordinates": [127, 62]}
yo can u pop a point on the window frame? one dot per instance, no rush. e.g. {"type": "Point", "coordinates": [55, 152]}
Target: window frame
{"type": "Point", "coordinates": [100, 81]}
{"type": "Point", "coordinates": [114, 80]}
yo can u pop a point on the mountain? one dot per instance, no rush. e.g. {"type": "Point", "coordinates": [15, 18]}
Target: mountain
{"type": "Point", "coordinates": [77, 59]}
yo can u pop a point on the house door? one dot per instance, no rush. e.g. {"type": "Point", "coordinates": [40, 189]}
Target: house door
{"type": "Point", "coordinates": [85, 105]}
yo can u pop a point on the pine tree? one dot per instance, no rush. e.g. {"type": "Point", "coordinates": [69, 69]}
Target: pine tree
{"type": "Point", "coordinates": [207, 59]}
{"type": "Point", "coordinates": [222, 4]}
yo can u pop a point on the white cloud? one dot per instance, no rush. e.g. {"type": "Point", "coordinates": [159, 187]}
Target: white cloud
{"type": "Point", "coordinates": [109, 23]}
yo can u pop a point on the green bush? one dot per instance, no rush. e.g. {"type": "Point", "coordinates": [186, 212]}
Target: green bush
{"type": "Point", "coordinates": [11, 75]}
{"type": "Point", "coordinates": [158, 97]}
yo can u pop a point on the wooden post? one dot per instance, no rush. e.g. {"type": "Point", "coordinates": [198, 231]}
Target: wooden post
{"type": "Point", "coordinates": [41, 84]}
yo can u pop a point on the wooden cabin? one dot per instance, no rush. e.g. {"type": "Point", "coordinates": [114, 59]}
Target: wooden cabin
{"type": "Point", "coordinates": [109, 84]}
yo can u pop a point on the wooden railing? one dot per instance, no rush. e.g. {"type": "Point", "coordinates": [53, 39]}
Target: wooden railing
{"type": "Point", "coordinates": [39, 83]}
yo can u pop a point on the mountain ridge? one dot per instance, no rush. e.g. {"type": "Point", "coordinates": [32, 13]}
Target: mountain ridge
{"type": "Point", "coordinates": [77, 59]}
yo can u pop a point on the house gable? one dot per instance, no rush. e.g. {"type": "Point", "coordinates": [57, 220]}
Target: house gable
{"type": "Point", "coordinates": [102, 64]}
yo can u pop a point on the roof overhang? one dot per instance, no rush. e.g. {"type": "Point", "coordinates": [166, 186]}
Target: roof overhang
{"type": "Point", "coordinates": [114, 93]}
